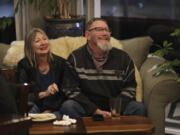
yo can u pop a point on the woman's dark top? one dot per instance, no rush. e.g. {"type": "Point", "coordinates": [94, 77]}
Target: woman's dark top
{"type": "Point", "coordinates": [29, 74]}
{"type": "Point", "coordinates": [45, 81]}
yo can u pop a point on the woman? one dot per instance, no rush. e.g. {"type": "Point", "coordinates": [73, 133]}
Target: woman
{"type": "Point", "coordinates": [44, 70]}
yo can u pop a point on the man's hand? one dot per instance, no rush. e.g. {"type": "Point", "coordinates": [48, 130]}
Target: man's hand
{"type": "Point", "coordinates": [47, 111]}
{"type": "Point", "coordinates": [104, 113]}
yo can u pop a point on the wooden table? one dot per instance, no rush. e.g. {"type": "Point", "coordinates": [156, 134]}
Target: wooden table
{"type": "Point", "coordinates": [14, 124]}
{"type": "Point", "coordinates": [124, 125]}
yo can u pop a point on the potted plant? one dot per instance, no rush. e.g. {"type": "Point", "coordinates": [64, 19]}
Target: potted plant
{"type": "Point", "coordinates": [57, 8]}
{"type": "Point", "coordinates": [5, 22]}
{"type": "Point", "coordinates": [167, 65]}
{"type": "Point", "coordinates": [59, 22]}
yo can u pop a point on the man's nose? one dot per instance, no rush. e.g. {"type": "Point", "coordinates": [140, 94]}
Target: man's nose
{"type": "Point", "coordinates": [105, 32]}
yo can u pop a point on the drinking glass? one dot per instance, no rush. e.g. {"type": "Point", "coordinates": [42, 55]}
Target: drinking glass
{"type": "Point", "coordinates": [115, 106]}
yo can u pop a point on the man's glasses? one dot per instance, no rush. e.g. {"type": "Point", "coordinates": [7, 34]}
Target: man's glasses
{"type": "Point", "coordinates": [100, 29]}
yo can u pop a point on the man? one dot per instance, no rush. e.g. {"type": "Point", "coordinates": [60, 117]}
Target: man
{"type": "Point", "coordinates": [103, 72]}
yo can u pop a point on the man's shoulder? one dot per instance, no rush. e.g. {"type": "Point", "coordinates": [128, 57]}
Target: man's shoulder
{"type": "Point", "coordinates": [79, 50]}
{"type": "Point", "coordinates": [119, 54]}
{"type": "Point", "coordinates": [117, 51]}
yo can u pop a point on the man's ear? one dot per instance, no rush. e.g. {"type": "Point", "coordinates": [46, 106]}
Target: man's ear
{"type": "Point", "coordinates": [87, 35]}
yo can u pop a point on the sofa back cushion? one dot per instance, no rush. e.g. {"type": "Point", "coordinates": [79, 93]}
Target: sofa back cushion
{"type": "Point", "coordinates": [137, 48]}
{"type": "Point", "coordinates": [3, 49]}
{"type": "Point", "coordinates": [62, 46]}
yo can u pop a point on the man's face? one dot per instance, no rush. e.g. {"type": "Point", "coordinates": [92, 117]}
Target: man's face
{"type": "Point", "coordinates": [99, 35]}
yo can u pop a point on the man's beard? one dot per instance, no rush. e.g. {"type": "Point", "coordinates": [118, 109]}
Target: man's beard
{"type": "Point", "coordinates": [105, 47]}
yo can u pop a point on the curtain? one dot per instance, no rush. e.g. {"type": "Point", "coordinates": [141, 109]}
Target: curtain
{"type": "Point", "coordinates": [22, 21]}
{"type": "Point", "coordinates": [28, 17]}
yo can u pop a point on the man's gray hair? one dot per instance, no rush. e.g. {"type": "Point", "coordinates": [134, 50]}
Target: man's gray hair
{"type": "Point", "coordinates": [90, 22]}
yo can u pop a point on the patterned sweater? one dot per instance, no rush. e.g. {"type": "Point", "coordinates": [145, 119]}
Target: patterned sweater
{"type": "Point", "coordinates": [93, 89]}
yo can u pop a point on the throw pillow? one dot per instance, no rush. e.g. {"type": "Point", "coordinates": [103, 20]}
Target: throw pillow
{"type": "Point", "coordinates": [137, 48]}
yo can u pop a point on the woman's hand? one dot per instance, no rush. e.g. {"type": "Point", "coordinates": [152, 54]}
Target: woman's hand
{"type": "Point", "coordinates": [51, 90]}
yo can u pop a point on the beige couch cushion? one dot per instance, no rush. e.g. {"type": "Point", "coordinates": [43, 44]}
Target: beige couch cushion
{"type": "Point", "coordinates": [137, 48]}
{"type": "Point", "coordinates": [3, 48]}
{"type": "Point", "coordinates": [61, 46]}
{"type": "Point", "coordinates": [14, 54]}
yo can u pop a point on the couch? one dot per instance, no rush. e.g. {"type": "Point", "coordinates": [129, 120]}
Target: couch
{"type": "Point", "coordinates": [154, 92]}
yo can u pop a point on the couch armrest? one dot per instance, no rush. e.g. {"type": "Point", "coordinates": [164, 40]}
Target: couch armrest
{"type": "Point", "coordinates": [150, 82]}
{"type": "Point", "coordinates": [158, 92]}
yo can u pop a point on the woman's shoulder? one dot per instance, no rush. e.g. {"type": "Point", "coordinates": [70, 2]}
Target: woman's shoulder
{"type": "Point", "coordinates": [24, 60]}
{"type": "Point", "coordinates": [23, 64]}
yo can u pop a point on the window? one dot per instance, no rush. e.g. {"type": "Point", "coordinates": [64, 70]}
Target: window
{"type": "Point", "coordinates": [6, 8]}
{"type": "Point", "coordinates": [7, 24]}
{"type": "Point", "coordinates": [161, 9]}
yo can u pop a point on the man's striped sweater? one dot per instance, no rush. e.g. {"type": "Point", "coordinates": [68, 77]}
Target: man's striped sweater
{"type": "Point", "coordinates": [92, 89]}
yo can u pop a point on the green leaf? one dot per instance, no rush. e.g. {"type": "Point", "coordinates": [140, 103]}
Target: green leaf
{"type": "Point", "coordinates": [166, 44]}
{"type": "Point", "coordinates": [160, 52]}
{"type": "Point", "coordinates": [3, 25]}
{"type": "Point", "coordinates": [9, 21]}
{"type": "Point", "coordinates": [175, 33]}
{"type": "Point", "coordinates": [175, 62]}
{"type": "Point", "coordinates": [178, 80]}
{"type": "Point", "coordinates": [164, 66]}
{"type": "Point", "coordinates": [4, 22]}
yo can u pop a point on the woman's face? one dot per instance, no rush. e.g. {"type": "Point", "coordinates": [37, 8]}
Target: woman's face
{"type": "Point", "coordinates": [40, 44]}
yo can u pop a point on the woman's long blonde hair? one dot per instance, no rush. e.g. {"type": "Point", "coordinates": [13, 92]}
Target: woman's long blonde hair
{"type": "Point", "coordinates": [28, 49]}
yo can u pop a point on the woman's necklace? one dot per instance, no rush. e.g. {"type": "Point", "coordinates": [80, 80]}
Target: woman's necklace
{"type": "Point", "coordinates": [44, 69]}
